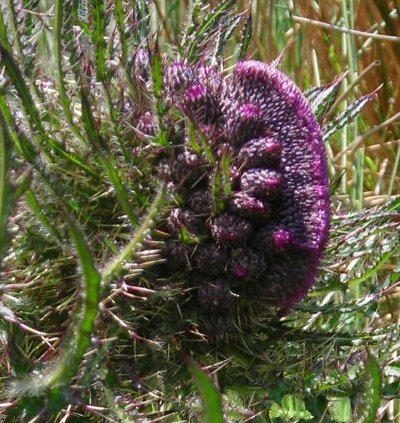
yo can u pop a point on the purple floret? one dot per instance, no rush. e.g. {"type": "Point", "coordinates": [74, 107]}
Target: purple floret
{"type": "Point", "coordinates": [251, 207]}
{"type": "Point", "coordinates": [262, 182]}
{"type": "Point", "coordinates": [230, 229]}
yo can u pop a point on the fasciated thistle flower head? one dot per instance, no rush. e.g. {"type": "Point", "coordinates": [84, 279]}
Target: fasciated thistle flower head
{"type": "Point", "coordinates": [249, 178]}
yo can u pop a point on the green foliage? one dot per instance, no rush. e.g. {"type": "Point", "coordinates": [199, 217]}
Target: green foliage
{"type": "Point", "coordinates": [89, 327]}
{"type": "Point", "coordinates": [291, 408]}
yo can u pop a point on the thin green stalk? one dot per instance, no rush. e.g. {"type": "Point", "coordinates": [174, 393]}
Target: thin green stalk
{"type": "Point", "coordinates": [103, 73]}
{"type": "Point", "coordinates": [62, 92]}
{"type": "Point", "coordinates": [14, 29]}
{"type": "Point", "coordinates": [17, 42]}
{"type": "Point", "coordinates": [3, 33]}
{"type": "Point", "coordinates": [395, 172]}
{"type": "Point", "coordinates": [114, 267]}
{"type": "Point", "coordinates": [5, 188]}
{"type": "Point", "coordinates": [120, 20]}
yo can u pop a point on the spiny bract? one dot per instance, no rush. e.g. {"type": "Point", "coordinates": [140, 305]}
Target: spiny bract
{"type": "Point", "coordinates": [252, 215]}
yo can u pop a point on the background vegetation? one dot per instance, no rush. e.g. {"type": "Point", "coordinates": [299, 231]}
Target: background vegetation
{"type": "Point", "coordinates": [88, 332]}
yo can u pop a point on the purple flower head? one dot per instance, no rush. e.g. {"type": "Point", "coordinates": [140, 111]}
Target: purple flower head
{"type": "Point", "coordinates": [253, 185]}
{"type": "Point", "coordinates": [200, 103]}
{"type": "Point", "coordinates": [177, 78]}
{"type": "Point", "coordinates": [141, 67]}
{"type": "Point", "coordinates": [247, 264]}
{"type": "Point", "coordinates": [210, 258]}
{"type": "Point", "coordinates": [147, 125]}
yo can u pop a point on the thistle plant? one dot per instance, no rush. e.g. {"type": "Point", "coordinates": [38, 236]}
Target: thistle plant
{"type": "Point", "coordinates": [164, 211]}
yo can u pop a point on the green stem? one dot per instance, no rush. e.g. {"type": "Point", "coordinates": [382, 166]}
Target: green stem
{"type": "Point", "coordinates": [58, 18]}
{"type": "Point", "coordinates": [5, 189]}
{"type": "Point", "coordinates": [115, 266]}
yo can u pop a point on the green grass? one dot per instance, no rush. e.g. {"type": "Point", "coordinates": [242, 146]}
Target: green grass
{"type": "Point", "coordinates": [89, 330]}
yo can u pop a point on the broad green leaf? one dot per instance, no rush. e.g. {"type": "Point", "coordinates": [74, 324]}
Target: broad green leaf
{"type": "Point", "coordinates": [292, 407]}
{"type": "Point", "coordinates": [340, 409]}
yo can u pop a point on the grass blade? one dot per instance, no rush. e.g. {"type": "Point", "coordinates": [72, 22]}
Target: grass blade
{"type": "Point", "coordinates": [374, 401]}
{"type": "Point", "coordinates": [98, 10]}
{"type": "Point", "coordinates": [211, 398]}
{"type": "Point", "coordinates": [62, 92]}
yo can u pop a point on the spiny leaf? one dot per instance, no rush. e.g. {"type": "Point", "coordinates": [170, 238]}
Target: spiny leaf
{"type": "Point", "coordinates": [218, 191]}
{"type": "Point", "coordinates": [208, 26]}
{"type": "Point", "coordinates": [114, 267]}
{"type": "Point", "coordinates": [158, 84]}
{"type": "Point", "coordinates": [347, 116]}
{"type": "Point", "coordinates": [121, 25]}
{"type": "Point", "coordinates": [3, 33]}
{"type": "Point", "coordinates": [142, 17]}
{"type": "Point", "coordinates": [323, 98]}
{"type": "Point", "coordinates": [14, 73]}
{"type": "Point", "coordinates": [98, 143]}
{"type": "Point", "coordinates": [225, 167]}
{"type": "Point", "coordinates": [41, 217]}
{"type": "Point", "coordinates": [44, 142]}
{"type": "Point", "coordinates": [62, 92]}
{"type": "Point", "coordinates": [224, 33]}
